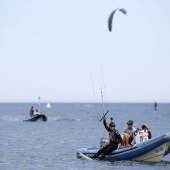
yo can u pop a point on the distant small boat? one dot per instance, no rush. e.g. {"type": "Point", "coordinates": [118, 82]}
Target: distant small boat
{"type": "Point", "coordinates": [48, 105]}
{"type": "Point", "coordinates": [36, 118]}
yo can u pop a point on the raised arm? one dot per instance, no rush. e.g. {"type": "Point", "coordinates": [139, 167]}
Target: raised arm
{"type": "Point", "coordinates": [105, 124]}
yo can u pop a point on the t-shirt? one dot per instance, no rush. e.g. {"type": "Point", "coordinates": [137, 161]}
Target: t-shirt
{"type": "Point", "coordinates": [130, 132]}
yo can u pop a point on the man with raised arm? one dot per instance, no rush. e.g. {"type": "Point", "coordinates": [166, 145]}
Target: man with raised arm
{"type": "Point", "coordinates": [114, 138]}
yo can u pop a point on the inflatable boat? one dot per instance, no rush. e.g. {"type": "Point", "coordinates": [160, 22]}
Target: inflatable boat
{"type": "Point", "coordinates": [36, 118]}
{"type": "Point", "coordinates": [152, 150]}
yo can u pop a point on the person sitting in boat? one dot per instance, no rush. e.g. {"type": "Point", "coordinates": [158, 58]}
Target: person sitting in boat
{"type": "Point", "coordinates": [32, 111]}
{"type": "Point", "coordinates": [37, 112]}
{"type": "Point", "coordinates": [129, 134]}
{"type": "Point", "coordinates": [114, 138]}
{"type": "Point", "coordinates": [146, 128]}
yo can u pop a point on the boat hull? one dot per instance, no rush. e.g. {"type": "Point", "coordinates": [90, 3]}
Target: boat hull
{"type": "Point", "coordinates": [37, 118]}
{"type": "Point", "coordinates": [152, 150]}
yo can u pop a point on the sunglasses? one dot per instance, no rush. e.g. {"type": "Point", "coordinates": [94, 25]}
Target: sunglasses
{"type": "Point", "coordinates": [112, 126]}
{"type": "Point", "coordinates": [129, 124]}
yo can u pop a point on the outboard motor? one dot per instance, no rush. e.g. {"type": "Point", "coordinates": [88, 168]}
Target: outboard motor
{"type": "Point", "coordinates": [104, 142]}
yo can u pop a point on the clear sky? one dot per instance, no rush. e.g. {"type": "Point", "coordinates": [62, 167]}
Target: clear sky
{"type": "Point", "coordinates": [49, 47]}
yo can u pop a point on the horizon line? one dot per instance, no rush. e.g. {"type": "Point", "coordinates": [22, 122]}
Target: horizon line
{"type": "Point", "coordinates": [87, 102]}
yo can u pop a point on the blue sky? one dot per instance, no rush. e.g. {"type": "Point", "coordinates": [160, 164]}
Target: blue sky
{"type": "Point", "coordinates": [49, 48]}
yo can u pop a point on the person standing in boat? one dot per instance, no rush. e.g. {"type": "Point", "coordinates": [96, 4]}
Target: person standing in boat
{"type": "Point", "coordinates": [32, 111]}
{"type": "Point", "coordinates": [129, 134]}
{"type": "Point", "coordinates": [114, 138]}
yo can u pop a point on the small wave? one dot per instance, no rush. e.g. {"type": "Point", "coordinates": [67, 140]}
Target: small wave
{"type": "Point", "coordinates": [8, 118]}
{"type": "Point", "coordinates": [87, 105]}
{"type": "Point", "coordinates": [61, 119]}
{"type": "Point", "coordinates": [54, 118]}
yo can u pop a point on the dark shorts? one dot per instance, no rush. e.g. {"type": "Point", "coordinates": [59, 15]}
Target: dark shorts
{"type": "Point", "coordinates": [130, 139]}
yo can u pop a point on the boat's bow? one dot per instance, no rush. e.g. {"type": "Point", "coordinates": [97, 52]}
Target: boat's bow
{"type": "Point", "coordinates": [36, 118]}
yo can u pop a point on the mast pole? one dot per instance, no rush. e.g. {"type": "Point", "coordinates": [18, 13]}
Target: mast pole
{"type": "Point", "coordinates": [39, 103]}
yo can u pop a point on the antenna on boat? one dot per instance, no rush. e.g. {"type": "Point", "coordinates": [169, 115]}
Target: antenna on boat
{"type": "Point", "coordinates": [39, 98]}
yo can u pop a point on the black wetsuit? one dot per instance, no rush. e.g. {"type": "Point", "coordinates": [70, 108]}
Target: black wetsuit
{"type": "Point", "coordinates": [114, 137]}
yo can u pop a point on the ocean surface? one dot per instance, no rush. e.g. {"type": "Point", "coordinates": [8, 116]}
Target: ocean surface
{"type": "Point", "coordinates": [70, 126]}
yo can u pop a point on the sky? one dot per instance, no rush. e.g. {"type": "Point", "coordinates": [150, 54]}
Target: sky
{"type": "Point", "coordinates": [56, 49]}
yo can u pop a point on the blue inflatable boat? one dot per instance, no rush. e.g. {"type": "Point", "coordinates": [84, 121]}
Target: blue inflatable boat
{"type": "Point", "coordinates": [152, 150]}
{"type": "Point", "coordinates": [36, 118]}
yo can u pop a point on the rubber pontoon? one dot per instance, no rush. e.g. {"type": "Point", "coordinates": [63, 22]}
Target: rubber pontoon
{"type": "Point", "coordinates": [152, 150]}
{"type": "Point", "coordinates": [36, 118]}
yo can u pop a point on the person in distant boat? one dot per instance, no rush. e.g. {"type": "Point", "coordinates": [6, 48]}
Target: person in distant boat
{"type": "Point", "coordinates": [129, 134]}
{"type": "Point", "coordinates": [146, 128]}
{"type": "Point", "coordinates": [37, 112]}
{"type": "Point", "coordinates": [114, 138]}
{"type": "Point", "coordinates": [32, 111]}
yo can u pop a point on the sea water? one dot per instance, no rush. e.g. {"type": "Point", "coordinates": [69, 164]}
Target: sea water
{"type": "Point", "coordinates": [70, 126]}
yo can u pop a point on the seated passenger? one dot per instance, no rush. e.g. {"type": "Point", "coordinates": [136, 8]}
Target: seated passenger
{"type": "Point", "coordinates": [129, 133]}
{"type": "Point", "coordinates": [146, 128]}
{"type": "Point", "coordinates": [36, 113]}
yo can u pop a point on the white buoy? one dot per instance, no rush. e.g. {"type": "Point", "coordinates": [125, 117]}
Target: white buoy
{"type": "Point", "coordinates": [48, 105]}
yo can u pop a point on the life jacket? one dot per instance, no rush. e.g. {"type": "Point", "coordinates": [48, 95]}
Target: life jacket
{"type": "Point", "coordinates": [113, 136]}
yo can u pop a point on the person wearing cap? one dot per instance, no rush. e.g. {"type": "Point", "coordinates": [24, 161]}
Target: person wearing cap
{"type": "Point", "coordinates": [114, 138]}
{"type": "Point", "coordinates": [146, 128]}
{"type": "Point", "coordinates": [129, 133]}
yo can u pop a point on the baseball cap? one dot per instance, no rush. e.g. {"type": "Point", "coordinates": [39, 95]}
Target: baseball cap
{"type": "Point", "coordinates": [130, 122]}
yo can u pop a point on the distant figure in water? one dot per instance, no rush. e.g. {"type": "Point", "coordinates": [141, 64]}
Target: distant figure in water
{"type": "Point", "coordinates": [32, 111]}
{"type": "Point", "coordinates": [155, 105]}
